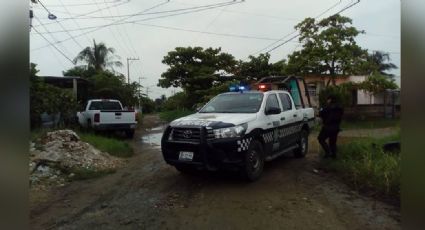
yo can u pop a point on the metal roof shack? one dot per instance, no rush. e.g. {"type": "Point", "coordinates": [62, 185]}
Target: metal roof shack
{"type": "Point", "coordinates": [296, 86]}
{"type": "Point", "coordinates": [78, 85]}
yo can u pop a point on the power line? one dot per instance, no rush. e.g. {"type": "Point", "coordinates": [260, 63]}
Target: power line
{"type": "Point", "coordinates": [94, 11]}
{"type": "Point", "coordinates": [60, 24]}
{"type": "Point", "coordinates": [60, 51]}
{"type": "Point", "coordinates": [75, 22]}
{"type": "Point", "coordinates": [98, 28]}
{"type": "Point", "coordinates": [153, 13]}
{"type": "Point", "coordinates": [82, 4]}
{"type": "Point", "coordinates": [248, 13]}
{"type": "Point", "coordinates": [209, 33]}
{"type": "Point", "coordinates": [122, 21]}
{"type": "Point", "coordinates": [344, 9]}
{"type": "Point", "coordinates": [51, 35]}
{"type": "Point", "coordinates": [293, 32]}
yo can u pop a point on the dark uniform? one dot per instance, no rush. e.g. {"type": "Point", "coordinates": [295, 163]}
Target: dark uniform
{"type": "Point", "coordinates": [331, 116]}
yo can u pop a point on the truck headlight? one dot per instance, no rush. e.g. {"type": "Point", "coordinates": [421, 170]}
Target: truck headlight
{"type": "Point", "coordinates": [235, 131]}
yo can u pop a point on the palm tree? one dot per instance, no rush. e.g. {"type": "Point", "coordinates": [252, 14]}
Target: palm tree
{"type": "Point", "coordinates": [381, 62]}
{"type": "Point", "coordinates": [98, 57]}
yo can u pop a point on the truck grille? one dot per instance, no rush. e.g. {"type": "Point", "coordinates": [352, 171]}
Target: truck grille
{"type": "Point", "coordinates": [190, 134]}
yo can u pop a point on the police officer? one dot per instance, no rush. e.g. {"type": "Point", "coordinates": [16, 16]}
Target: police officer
{"type": "Point", "coordinates": [331, 116]}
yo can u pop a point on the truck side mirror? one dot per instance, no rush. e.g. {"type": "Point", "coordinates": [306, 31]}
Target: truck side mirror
{"type": "Point", "coordinates": [272, 110]}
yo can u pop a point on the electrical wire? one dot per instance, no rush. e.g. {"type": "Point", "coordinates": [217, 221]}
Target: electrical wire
{"type": "Point", "coordinates": [51, 35]}
{"type": "Point", "coordinates": [91, 12]}
{"type": "Point", "coordinates": [53, 45]}
{"type": "Point", "coordinates": [281, 44]}
{"type": "Point", "coordinates": [122, 21]}
{"type": "Point", "coordinates": [152, 13]}
{"type": "Point", "coordinates": [209, 33]}
{"type": "Point", "coordinates": [293, 32]}
{"type": "Point", "coordinates": [75, 22]}
{"type": "Point", "coordinates": [60, 24]}
{"type": "Point", "coordinates": [82, 4]}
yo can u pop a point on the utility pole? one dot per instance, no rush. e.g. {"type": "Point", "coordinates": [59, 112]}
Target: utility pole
{"type": "Point", "coordinates": [128, 67]}
{"type": "Point", "coordinates": [147, 91]}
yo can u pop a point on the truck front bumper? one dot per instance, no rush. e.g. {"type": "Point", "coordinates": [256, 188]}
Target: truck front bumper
{"type": "Point", "coordinates": [209, 154]}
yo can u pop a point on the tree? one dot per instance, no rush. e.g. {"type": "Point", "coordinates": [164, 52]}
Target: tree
{"type": "Point", "coordinates": [377, 83]}
{"type": "Point", "coordinates": [98, 57]}
{"type": "Point", "coordinates": [196, 69]}
{"type": "Point", "coordinates": [329, 48]}
{"type": "Point", "coordinates": [45, 98]}
{"type": "Point", "coordinates": [381, 63]}
{"type": "Point", "coordinates": [80, 71]}
{"type": "Point", "coordinates": [106, 84]}
{"type": "Point", "coordinates": [259, 67]}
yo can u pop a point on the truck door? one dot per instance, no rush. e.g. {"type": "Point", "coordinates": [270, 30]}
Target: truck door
{"type": "Point", "coordinates": [273, 123]}
{"type": "Point", "coordinates": [290, 117]}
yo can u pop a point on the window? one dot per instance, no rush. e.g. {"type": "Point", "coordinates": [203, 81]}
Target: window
{"type": "Point", "coordinates": [286, 101]}
{"type": "Point", "coordinates": [234, 103]}
{"type": "Point", "coordinates": [312, 89]}
{"type": "Point", "coordinates": [105, 105]}
{"type": "Point", "coordinates": [272, 102]}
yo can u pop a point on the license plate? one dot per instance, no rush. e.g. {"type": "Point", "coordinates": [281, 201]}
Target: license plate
{"type": "Point", "coordinates": [185, 156]}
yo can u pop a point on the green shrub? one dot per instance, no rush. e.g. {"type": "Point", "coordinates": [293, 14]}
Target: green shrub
{"type": "Point", "coordinates": [171, 115]}
{"type": "Point", "coordinates": [365, 166]}
{"type": "Point", "coordinates": [114, 147]}
{"type": "Point", "coordinates": [342, 93]}
{"type": "Point", "coordinates": [49, 99]}
{"type": "Point", "coordinates": [87, 173]}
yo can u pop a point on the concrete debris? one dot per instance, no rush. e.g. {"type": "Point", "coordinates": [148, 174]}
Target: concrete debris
{"type": "Point", "coordinates": [63, 155]}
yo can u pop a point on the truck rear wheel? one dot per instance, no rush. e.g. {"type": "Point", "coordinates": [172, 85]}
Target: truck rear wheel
{"type": "Point", "coordinates": [254, 161]}
{"type": "Point", "coordinates": [302, 149]}
{"type": "Point", "coordinates": [129, 133]}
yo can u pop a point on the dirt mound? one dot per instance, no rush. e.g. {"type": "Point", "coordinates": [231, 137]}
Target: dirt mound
{"type": "Point", "coordinates": [61, 155]}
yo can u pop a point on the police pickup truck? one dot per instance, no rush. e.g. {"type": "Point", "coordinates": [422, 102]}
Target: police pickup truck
{"type": "Point", "coordinates": [238, 130]}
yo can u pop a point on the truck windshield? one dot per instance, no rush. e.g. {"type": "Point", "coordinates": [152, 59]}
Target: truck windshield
{"type": "Point", "coordinates": [105, 105]}
{"type": "Point", "coordinates": [234, 103]}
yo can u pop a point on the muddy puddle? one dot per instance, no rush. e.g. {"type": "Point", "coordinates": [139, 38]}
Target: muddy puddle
{"type": "Point", "coordinates": [153, 137]}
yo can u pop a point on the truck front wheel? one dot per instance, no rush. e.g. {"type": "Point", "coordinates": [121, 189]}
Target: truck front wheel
{"type": "Point", "coordinates": [254, 161]}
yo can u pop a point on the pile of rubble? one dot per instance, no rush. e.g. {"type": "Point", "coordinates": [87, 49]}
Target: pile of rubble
{"type": "Point", "coordinates": [60, 153]}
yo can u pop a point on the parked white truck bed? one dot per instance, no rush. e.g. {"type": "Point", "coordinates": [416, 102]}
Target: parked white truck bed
{"type": "Point", "coordinates": [107, 114]}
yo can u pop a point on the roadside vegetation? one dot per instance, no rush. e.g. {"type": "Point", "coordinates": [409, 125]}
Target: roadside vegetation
{"type": "Point", "coordinates": [87, 173]}
{"type": "Point", "coordinates": [370, 123]}
{"type": "Point", "coordinates": [171, 115]}
{"type": "Point", "coordinates": [364, 165]}
{"type": "Point", "coordinates": [113, 146]}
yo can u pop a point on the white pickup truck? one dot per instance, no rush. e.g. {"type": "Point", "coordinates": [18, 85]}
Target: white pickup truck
{"type": "Point", "coordinates": [240, 130]}
{"type": "Point", "coordinates": [108, 115]}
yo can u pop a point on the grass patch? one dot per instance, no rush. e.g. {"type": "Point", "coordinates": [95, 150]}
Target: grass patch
{"type": "Point", "coordinates": [370, 123]}
{"type": "Point", "coordinates": [171, 115]}
{"type": "Point", "coordinates": [114, 147]}
{"type": "Point", "coordinates": [364, 165]}
{"type": "Point", "coordinates": [88, 173]}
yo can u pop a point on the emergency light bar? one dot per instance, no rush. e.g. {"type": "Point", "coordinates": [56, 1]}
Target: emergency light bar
{"type": "Point", "coordinates": [238, 88]}
{"type": "Point", "coordinates": [264, 87]}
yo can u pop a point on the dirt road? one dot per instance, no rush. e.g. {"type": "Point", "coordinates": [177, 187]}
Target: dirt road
{"type": "Point", "coordinates": [148, 194]}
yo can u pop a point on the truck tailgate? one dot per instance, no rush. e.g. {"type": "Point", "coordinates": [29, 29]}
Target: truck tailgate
{"type": "Point", "coordinates": [117, 117]}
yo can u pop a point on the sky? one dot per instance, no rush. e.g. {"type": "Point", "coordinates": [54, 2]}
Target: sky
{"type": "Point", "coordinates": [149, 29]}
